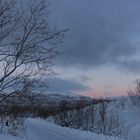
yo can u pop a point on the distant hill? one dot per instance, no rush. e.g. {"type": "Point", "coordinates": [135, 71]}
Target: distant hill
{"type": "Point", "coordinates": [44, 104]}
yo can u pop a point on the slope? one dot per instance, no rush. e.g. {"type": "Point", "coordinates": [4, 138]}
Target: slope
{"type": "Point", "coordinates": [41, 130]}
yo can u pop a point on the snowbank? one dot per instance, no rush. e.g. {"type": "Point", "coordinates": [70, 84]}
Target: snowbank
{"type": "Point", "coordinates": [42, 130]}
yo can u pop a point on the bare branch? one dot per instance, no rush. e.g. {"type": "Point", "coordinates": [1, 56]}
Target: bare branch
{"type": "Point", "coordinates": [28, 45]}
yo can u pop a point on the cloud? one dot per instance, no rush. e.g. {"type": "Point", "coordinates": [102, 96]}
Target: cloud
{"type": "Point", "coordinates": [66, 86]}
{"type": "Point", "coordinates": [132, 66]}
{"type": "Point", "coordinates": [102, 32]}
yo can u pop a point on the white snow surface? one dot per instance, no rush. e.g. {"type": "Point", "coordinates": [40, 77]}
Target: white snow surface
{"type": "Point", "coordinates": [42, 130]}
{"type": "Point", "coordinates": [4, 137]}
{"type": "Point", "coordinates": [37, 129]}
{"type": "Point", "coordinates": [131, 115]}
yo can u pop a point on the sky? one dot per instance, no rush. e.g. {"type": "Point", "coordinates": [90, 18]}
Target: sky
{"type": "Point", "coordinates": [101, 53]}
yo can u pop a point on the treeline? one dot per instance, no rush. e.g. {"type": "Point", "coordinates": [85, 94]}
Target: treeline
{"type": "Point", "coordinates": [40, 110]}
{"type": "Point", "coordinates": [104, 118]}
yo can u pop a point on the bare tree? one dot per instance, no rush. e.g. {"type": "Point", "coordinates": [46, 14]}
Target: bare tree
{"type": "Point", "coordinates": [27, 45]}
{"type": "Point", "coordinates": [135, 94]}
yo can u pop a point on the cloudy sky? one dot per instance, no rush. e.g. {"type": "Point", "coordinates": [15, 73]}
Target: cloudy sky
{"type": "Point", "coordinates": [102, 49]}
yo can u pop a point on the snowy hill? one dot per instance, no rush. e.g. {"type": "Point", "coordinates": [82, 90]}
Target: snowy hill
{"type": "Point", "coordinates": [37, 129]}
{"type": "Point", "coordinates": [117, 118]}
{"type": "Point", "coordinates": [48, 99]}
{"type": "Point", "coordinates": [43, 104]}
{"type": "Point", "coordinates": [41, 130]}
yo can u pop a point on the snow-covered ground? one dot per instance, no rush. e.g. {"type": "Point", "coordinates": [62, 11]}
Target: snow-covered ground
{"type": "Point", "coordinates": [41, 130]}
{"type": "Point", "coordinates": [131, 118]}
{"type": "Point", "coordinates": [4, 137]}
{"type": "Point", "coordinates": [37, 129]}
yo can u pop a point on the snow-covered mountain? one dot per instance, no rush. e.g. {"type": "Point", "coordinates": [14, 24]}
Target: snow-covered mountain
{"type": "Point", "coordinates": [48, 99]}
